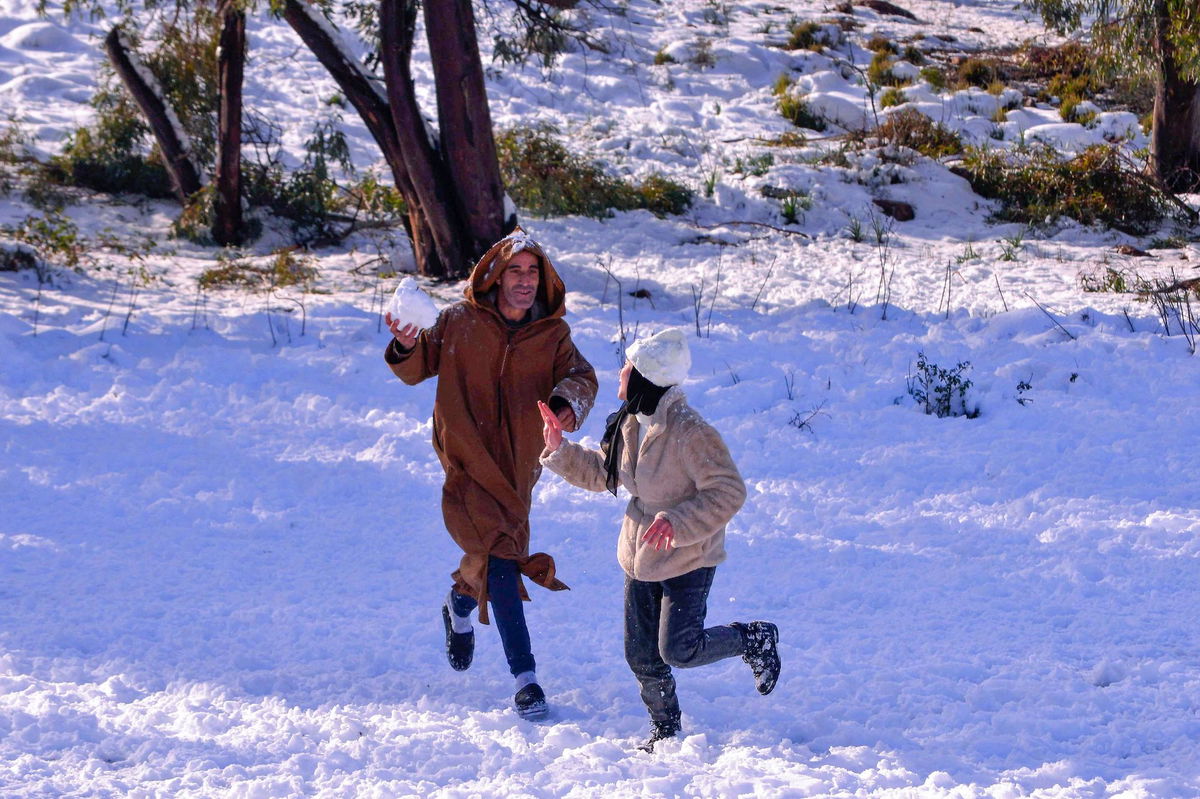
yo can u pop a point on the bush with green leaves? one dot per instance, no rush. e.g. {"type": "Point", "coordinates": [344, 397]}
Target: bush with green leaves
{"type": "Point", "coordinates": [1036, 186]}
{"type": "Point", "coordinates": [113, 154]}
{"type": "Point", "coordinates": [892, 97]}
{"type": "Point", "coordinates": [941, 392]}
{"type": "Point", "coordinates": [545, 178]}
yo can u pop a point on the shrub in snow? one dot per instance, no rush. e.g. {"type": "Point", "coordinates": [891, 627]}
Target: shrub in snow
{"type": "Point", "coordinates": [795, 109]}
{"type": "Point", "coordinates": [976, 72]}
{"type": "Point", "coordinates": [912, 129]}
{"type": "Point", "coordinates": [113, 154]}
{"type": "Point", "coordinates": [1036, 186]}
{"type": "Point", "coordinates": [941, 392]}
{"type": "Point", "coordinates": [892, 97]}
{"type": "Point", "coordinates": [15, 256]}
{"type": "Point", "coordinates": [546, 179]}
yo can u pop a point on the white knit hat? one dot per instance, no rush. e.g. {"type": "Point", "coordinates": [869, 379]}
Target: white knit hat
{"type": "Point", "coordinates": [663, 358]}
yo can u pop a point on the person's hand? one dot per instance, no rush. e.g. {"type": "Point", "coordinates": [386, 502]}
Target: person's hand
{"type": "Point", "coordinates": [659, 535]}
{"type": "Point", "coordinates": [406, 335]}
{"type": "Point", "coordinates": [566, 418]}
{"type": "Point", "coordinates": [552, 428]}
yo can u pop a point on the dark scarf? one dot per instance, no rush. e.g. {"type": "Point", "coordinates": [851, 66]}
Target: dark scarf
{"type": "Point", "coordinates": [641, 396]}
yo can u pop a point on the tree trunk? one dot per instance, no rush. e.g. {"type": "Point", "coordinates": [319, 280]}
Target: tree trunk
{"type": "Point", "coordinates": [231, 60]}
{"type": "Point", "coordinates": [433, 189]}
{"type": "Point", "coordinates": [1175, 139]}
{"type": "Point", "coordinates": [168, 133]}
{"type": "Point", "coordinates": [370, 101]}
{"type": "Point", "coordinates": [464, 121]}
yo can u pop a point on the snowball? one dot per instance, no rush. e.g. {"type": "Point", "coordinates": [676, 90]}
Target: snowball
{"type": "Point", "coordinates": [411, 305]}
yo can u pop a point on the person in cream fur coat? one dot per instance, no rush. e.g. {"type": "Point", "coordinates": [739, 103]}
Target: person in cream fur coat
{"type": "Point", "coordinates": [684, 488]}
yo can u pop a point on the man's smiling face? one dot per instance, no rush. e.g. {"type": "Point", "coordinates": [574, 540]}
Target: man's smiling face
{"type": "Point", "coordinates": [519, 286]}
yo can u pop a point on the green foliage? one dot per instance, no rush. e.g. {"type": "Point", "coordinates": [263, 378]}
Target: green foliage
{"type": "Point", "coordinates": [662, 196]}
{"type": "Point", "coordinates": [879, 71]}
{"type": "Point", "coordinates": [934, 77]}
{"type": "Point", "coordinates": [52, 236]}
{"type": "Point", "coordinates": [315, 205]}
{"type": "Point", "coordinates": [976, 72]}
{"type": "Point", "coordinates": [941, 392]}
{"type": "Point", "coordinates": [913, 55]}
{"type": "Point", "coordinates": [546, 179]}
{"type": "Point", "coordinates": [1035, 186]}
{"type": "Point", "coordinates": [795, 109]}
{"type": "Point", "coordinates": [113, 154]}
{"type": "Point", "coordinates": [803, 36]}
{"type": "Point", "coordinates": [1122, 31]}
{"type": "Point", "coordinates": [756, 165]}
{"type": "Point", "coordinates": [892, 97]}
{"type": "Point", "coordinates": [284, 268]}
{"type": "Point", "coordinates": [663, 57]}
{"type": "Point", "coordinates": [881, 44]}
{"type": "Point", "coordinates": [1107, 279]}
{"type": "Point", "coordinates": [910, 128]}
{"type": "Point", "coordinates": [793, 205]}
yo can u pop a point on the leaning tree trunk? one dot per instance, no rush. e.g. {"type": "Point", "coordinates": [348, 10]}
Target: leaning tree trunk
{"type": "Point", "coordinates": [168, 133]}
{"type": "Point", "coordinates": [464, 121]}
{"type": "Point", "coordinates": [370, 101]}
{"type": "Point", "coordinates": [431, 181]}
{"type": "Point", "coordinates": [1175, 139]}
{"type": "Point", "coordinates": [231, 59]}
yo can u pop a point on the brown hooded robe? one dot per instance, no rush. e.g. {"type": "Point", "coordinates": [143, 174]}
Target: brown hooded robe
{"type": "Point", "coordinates": [487, 431]}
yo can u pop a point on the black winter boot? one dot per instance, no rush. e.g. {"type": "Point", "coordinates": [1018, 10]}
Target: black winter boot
{"type": "Point", "coordinates": [761, 638]}
{"type": "Point", "coordinates": [460, 647]}
{"type": "Point", "coordinates": [531, 702]}
{"type": "Point", "coordinates": [660, 731]}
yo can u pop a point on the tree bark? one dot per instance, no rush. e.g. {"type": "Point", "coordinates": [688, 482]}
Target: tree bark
{"type": "Point", "coordinates": [431, 182]}
{"type": "Point", "coordinates": [231, 60]}
{"type": "Point", "coordinates": [464, 121]}
{"type": "Point", "coordinates": [168, 133]}
{"type": "Point", "coordinates": [1175, 138]}
{"type": "Point", "coordinates": [370, 101]}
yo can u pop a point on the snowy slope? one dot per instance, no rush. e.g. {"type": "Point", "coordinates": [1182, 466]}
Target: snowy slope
{"type": "Point", "coordinates": [221, 551]}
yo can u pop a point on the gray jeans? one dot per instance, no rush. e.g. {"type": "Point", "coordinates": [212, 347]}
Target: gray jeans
{"type": "Point", "coordinates": [664, 627]}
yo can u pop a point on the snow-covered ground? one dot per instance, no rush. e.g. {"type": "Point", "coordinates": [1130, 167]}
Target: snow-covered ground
{"type": "Point", "coordinates": [221, 551]}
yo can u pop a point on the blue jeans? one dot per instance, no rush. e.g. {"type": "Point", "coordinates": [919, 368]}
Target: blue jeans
{"type": "Point", "coordinates": [664, 627]}
{"type": "Point", "coordinates": [507, 610]}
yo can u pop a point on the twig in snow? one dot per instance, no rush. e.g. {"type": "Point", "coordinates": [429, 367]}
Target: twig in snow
{"type": "Point", "coordinates": [770, 268]}
{"type": "Point", "coordinates": [108, 311]}
{"type": "Point", "coordinates": [1051, 317]}
{"type": "Point", "coordinates": [1002, 300]}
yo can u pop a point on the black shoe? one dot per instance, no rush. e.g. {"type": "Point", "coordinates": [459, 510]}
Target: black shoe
{"type": "Point", "coordinates": [659, 731]}
{"type": "Point", "coordinates": [460, 647]}
{"type": "Point", "coordinates": [531, 702]}
{"type": "Point", "coordinates": [762, 653]}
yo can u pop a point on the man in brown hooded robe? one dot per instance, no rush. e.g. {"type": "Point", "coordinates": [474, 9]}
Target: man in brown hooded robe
{"type": "Point", "coordinates": [496, 355]}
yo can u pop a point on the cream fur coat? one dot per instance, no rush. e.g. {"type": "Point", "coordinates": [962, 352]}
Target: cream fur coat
{"type": "Point", "coordinates": [682, 472]}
